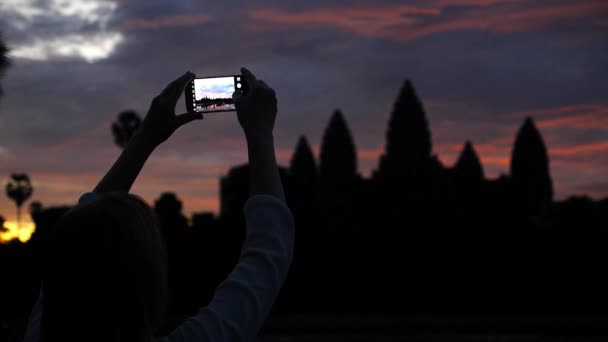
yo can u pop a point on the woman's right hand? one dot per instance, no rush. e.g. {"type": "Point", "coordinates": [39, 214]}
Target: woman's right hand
{"type": "Point", "coordinates": [257, 110]}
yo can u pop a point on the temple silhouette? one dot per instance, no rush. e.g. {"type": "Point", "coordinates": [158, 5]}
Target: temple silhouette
{"type": "Point", "coordinates": [449, 227]}
{"type": "Point", "coordinates": [415, 238]}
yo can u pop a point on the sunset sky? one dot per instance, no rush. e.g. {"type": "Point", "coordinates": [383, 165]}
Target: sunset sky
{"type": "Point", "coordinates": [479, 66]}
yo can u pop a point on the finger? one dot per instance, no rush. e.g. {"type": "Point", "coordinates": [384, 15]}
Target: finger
{"type": "Point", "coordinates": [184, 118]}
{"type": "Point", "coordinates": [264, 85]}
{"type": "Point", "coordinates": [178, 88]}
{"type": "Point", "coordinates": [236, 97]}
{"type": "Point", "coordinates": [173, 91]}
{"type": "Point", "coordinates": [267, 89]}
{"type": "Point", "coordinates": [249, 79]}
{"type": "Point", "coordinates": [171, 85]}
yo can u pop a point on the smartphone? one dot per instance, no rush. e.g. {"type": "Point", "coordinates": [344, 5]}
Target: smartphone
{"type": "Point", "coordinates": [213, 94]}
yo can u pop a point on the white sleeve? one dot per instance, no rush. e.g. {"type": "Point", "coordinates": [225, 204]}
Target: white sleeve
{"type": "Point", "coordinates": [242, 302]}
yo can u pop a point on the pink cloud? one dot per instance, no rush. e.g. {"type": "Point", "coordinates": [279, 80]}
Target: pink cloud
{"type": "Point", "coordinates": [407, 22]}
{"type": "Point", "coordinates": [370, 154]}
{"type": "Point", "coordinates": [583, 116]}
{"type": "Point", "coordinates": [580, 150]}
{"type": "Point", "coordinates": [362, 21]}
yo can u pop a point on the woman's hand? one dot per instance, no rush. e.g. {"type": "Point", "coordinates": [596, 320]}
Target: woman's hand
{"type": "Point", "coordinates": [161, 121]}
{"type": "Point", "coordinates": [257, 109]}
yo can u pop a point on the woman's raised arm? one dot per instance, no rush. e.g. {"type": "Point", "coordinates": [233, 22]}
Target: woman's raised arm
{"type": "Point", "coordinates": [158, 125]}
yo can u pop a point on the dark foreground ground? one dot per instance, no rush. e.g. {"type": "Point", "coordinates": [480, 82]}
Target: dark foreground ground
{"type": "Point", "coordinates": [421, 329]}
{"type": "Point", "coordinates": [433, 338]}
{"type": "Point", "coordinates": [436, 329]}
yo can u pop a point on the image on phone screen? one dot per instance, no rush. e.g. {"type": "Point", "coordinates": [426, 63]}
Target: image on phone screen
{"type": "Point", "coordinates": [214, 94]}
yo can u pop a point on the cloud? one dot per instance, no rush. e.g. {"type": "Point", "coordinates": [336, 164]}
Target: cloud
{"type": "Point", "coordinates": [90, 48]}
{"type": "Point", "coordinates": [580, 150]}
{"type": "Point", "coordinates": [371, 21]}
{"type": "Point", "coordinates": [60, 29]}
{"type": "Point", "coordinates": [494, 155]}
{"type": "Point", "coordinates": [408, 22]}
{"type": "Point", "coordinates": [581, 117]}
{"type": "Point", "coordinates": [510, 19]}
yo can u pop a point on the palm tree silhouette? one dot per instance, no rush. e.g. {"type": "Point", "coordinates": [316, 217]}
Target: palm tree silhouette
{"type": "Point", "coordinates": [2, 228]}
{"type": "Point", "coordinates": [19, 189]}
{"type": "Point", "coordinates": [125, 126]}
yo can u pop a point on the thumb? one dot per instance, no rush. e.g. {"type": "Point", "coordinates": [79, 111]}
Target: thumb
{"type": "Point", "coordinates": [183, 119]}
{"type": "Point", "coordinates": [237, 97]}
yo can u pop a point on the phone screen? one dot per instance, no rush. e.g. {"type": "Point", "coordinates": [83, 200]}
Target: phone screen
{"type": "Point", "coordinates": [214, 94]}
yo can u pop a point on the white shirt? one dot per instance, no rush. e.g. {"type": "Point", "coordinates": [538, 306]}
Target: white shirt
{"type": "Point", "coordinates": [242, 302]}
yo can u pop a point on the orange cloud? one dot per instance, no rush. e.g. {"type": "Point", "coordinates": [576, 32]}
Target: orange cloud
{"type": "Point", "coordinates": [582, 116]}
{"type": "Point", "coordinates": [479, 3]}
{"type": "Point", "coordinates": [561, 110]}
{"type": "Point", "coordinates": [519, 18]}
{"type": "Point", "coordinates": [495, 154]}
{"type": "Point", "coordinates": [165, 22]}
{"type": "Point", "coordinates": [592, 120]}
{"type": "Point", "coordinates": [362, 21]}
{"type": "Point", "coordinates": [373, 154]}
{"type": "Point", "coordinates": [579, 150]}
{"type": "Point", "coordinates": [501, 161]}
{"type": "Point", "coordinates": [408, 22]}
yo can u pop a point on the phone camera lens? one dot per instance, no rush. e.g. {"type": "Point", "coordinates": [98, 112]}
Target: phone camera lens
{"type": "Point", "coordinates": [238, 85]}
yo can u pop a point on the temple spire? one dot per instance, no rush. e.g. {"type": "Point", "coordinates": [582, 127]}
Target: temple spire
{"type": "Point", "coordinates": [530, 168]}
{"type": "Point", "coordinates": [408, 138]}
{"type": "Point", "coordinates": [338, 159]}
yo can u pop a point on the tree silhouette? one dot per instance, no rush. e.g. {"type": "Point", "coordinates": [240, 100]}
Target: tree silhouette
{"type": "Point", "coordinates": [2, 228]}
{"type": "Point", "coordinates": [19, 189]}
{"type": "Point", "coordinates": [35, 208]}
{"type": "Point", "coordinates": [3, 59]}
{"type": "Point", "coordinates": [124, 127]}
{"type": "Point", "coordinates": [530, 168]}
{"type": "Point", "coordinates": [168, 205]}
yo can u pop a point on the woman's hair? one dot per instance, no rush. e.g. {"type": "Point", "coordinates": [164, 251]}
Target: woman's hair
{"type": "Point", "coordinates": [105, 273]}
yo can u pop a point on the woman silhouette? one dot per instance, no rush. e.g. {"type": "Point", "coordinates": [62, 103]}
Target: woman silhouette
{"type": "Point", "coordinates": [105, 275]}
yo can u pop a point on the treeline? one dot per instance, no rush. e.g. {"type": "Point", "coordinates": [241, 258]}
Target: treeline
{"type": "Point", "coordinates": [207, 102]}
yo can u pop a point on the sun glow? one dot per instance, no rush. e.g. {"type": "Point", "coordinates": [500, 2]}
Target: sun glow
{"type": "Point", "coordinates": [23, 232]}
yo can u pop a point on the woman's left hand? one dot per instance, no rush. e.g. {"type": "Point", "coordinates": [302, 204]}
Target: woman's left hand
{"type": "Point", "coordinates": [161, 120]}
